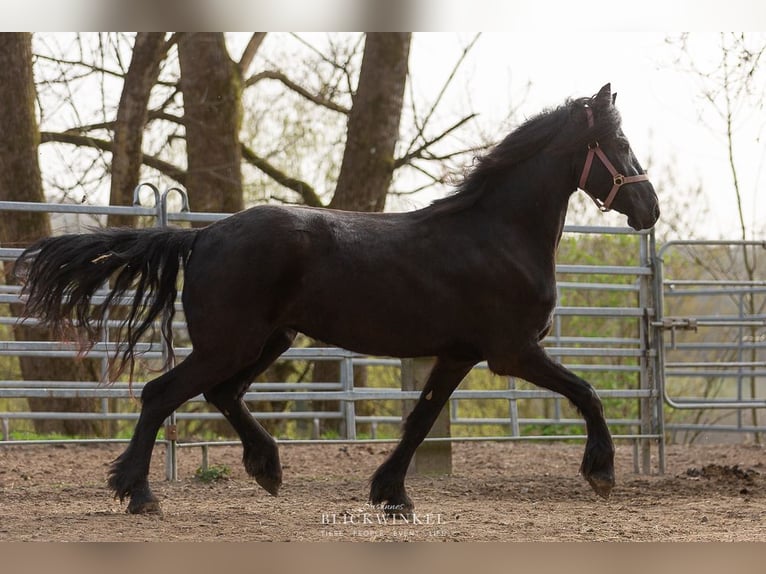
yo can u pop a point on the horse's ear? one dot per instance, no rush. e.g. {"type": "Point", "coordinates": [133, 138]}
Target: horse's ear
{"type": "Point", "coordinates": [614, 98]}
{"type": "Point", "coordinates": [604, 95]}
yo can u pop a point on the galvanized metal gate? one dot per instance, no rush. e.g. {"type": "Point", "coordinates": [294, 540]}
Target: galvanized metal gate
{"type": "Point", "coordinates": [712, 338]}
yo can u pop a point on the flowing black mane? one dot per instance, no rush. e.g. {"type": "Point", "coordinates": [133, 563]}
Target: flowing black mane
{"type": "Point", "coordinates": [528, 140]}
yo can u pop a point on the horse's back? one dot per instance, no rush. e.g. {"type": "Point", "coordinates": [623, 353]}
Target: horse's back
{"type": "Point", "coordinates": [387, 284]}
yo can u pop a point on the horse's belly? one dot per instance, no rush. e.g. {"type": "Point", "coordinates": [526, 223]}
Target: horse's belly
{"type": "Point", "coordinates": [374, 333]}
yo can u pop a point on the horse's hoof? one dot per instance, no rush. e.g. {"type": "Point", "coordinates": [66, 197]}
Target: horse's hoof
{"type": "Point", "coordinates": [269, 483]}
{"type": "Point", "coordinates": [266, 471]}
{"type": "Point", "coordinates": [601, 484]}
{"type": "Point", "coordinates": [147, 507]}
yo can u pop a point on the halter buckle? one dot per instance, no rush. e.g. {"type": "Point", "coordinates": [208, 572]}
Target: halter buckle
{"type": "Point", "coordinates": [619, 179]}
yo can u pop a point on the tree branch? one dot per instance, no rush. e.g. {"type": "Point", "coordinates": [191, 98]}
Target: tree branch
{"type": "Point", "coordinates": [160, 115]}
{"type": "Point", "coordinates": [91, 127]}
{"type": "Point", "coordinates": [279, 76]}
{"type": "Point", "coordinates": [73, 63]}
{"type": "Point", "coordinates": [435, 104]}
{"type": "Point", "coordinates": [74, 136]}
{"type": "Point", "coordinates": [302, 188]}
{"type": "Point", "coordinates": [418, 152]}
{"type": "Point", "coordinates": [162, 166]}
{"type": "Point", "coordinates": [250, 50]}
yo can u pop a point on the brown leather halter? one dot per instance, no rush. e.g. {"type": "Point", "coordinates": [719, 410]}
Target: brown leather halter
{"type": "Point", "coordinates": [618, 179]}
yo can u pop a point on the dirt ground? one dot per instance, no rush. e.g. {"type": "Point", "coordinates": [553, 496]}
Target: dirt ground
{"type": "Point", "coordinates": [497, 492]}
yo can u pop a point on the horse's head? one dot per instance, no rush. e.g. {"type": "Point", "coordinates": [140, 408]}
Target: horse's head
{"type": "Point", "coordinates": [609, 171]}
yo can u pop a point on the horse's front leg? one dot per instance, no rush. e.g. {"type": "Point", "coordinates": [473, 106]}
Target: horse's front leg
{"type": "Point", "coordinates": [387, 484]}
{"type": "Point", "coordinates": [535, 366]}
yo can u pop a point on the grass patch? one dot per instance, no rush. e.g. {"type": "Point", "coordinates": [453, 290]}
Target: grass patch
{"type": "Point", "coordinates": [213, 473]}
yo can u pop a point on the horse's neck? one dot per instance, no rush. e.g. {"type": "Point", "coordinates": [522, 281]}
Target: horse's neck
{"type": "Point", "coordinates": [537, 205]}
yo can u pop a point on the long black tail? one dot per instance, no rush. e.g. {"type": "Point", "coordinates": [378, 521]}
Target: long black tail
{"type": "Point", "coordinates": [62, 274]}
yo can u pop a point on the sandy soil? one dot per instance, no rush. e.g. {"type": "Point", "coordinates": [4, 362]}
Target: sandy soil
{"type": "Point", "coordinates": [502, 492]}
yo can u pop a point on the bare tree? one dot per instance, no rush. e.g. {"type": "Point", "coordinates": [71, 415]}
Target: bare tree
{"type": "Point", "coordinates": [373, 124]}
{"type": "Point", "coordinates": [132, 115]}
{"type": "Point", "coordinates": [732, 83]}
{"type": "Point", "coordinates": [212, 88]}
{"type": "Point", "coordinates": [20, 180]}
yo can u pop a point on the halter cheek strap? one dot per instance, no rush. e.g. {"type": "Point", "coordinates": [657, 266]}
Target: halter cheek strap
{"type": "Point", "coordinates": [594, 150]}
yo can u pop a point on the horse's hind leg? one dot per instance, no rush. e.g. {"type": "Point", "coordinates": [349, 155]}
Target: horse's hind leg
{"type": "Point", "coordinates": [160, 397]}
{"type": "Point", "coordinates": [128, 474]}
{"type": "Point", "coordinates": [260, 453]}
{"type": "Point", "coordinates": [387, 484]}
{"type": "Point", "coordinates": [537, 367]}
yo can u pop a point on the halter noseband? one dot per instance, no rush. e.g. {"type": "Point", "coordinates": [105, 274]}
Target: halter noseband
{"type": "Point", "coordinates": [618, 179]}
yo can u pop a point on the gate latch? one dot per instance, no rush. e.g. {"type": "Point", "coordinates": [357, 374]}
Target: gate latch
{"type": "Point", "coordinates": [680, 323]}
{"type": "Point", "coordinates": [171, 432]}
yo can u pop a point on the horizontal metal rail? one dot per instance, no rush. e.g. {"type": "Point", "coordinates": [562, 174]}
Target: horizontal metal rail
{"type": "Point", "coordinates": [724, 321]}
{"type": "Point", "coordinates": [721, 346]}
{"type": "Point", "coordinates": [671, 283]}
{"type": "Point", "coordinates": [357, 394]}
{"type": "Point", "coordinates": [587, 286]}
{"type": "Point", "coordinates": [604, 270]}
{"type": "Point", "coordinates": [150, 351]}
{"type": "Point", "coordinates": [209, 216]}
{"type": "Point", "coordinates": [679, 372]}
{"type": "Point", "coordinates": [716, 428]}
{"type": "Point", "coordinates": [717, 403]}
{"type": "Point", "coordinates": [717, 364]}
{"type": "Point", "coordinates": [708, 242]}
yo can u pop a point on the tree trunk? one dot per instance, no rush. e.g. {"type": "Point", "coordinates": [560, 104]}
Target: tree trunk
{"type": "Point", "coordinates": [148, 52]}
{"type": "Point", "coordinates": [212, 90]}
{"type": "Point", "coordinates": [368, 158]}
{"type": "Point", "coordinates": [373, 125]}
{"type": "Point", "coordinates": [20, 180]}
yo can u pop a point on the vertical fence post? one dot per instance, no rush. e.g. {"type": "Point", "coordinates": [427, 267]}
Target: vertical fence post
{"type": "Point", "coordinates": [171, 428]}
{"type": "Point", "coordinates": [658, 343]}
{"type": "Point", "coordinates": [647, 404]}
{"type": "Point", "coordinates": [171, 433]}
{"type": "Point", "coordinates": [652, 377]}
{"type": "Point", "coordinates": [431, 457]}
{"type": "Point", "coordinates": [513, 409]}
{"type": "Point", "coordinates": [349, 408]}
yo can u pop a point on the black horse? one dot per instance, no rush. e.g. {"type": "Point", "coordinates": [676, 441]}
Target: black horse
{"type": "Point", "coordinates": [469, 278]}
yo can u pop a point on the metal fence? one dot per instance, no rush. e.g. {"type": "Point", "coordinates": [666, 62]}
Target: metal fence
{"type": "Point", "coordinates": [712, 319]}
{"type": "Point", "coordinates": [619, 354]}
